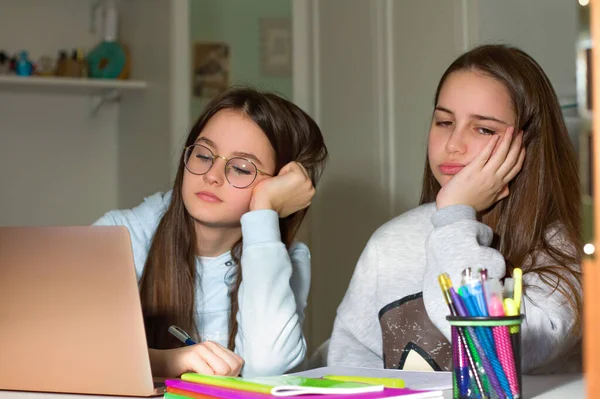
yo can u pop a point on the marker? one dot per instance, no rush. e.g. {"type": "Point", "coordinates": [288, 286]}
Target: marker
{"type": "Point", "coordinates": [518, 276]}
{"type": "Point", "coordinates": [493, 291]}
{"type": "Point", "coordinates": [181, 335]}
{"type": "Point", "coordinates": [386, 382]}
{"type": "Point", "coordinates": [510, 309]}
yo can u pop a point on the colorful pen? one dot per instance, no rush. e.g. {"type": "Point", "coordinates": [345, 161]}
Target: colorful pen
{"type": "Point", "coordinates": [502, 340]}
{"type": "Point", "coordinates": [467, 276]}
{"type": "Point", "coordinates": [479, 295]}
{"type": "Point", "coordinates": [463, 377]}
{"type": "Point", "coordinates": [483, 274]}
{"type": "Point", "coordinates": [483, 338]}
{"type": "Point", "coordinates": [181, 335]}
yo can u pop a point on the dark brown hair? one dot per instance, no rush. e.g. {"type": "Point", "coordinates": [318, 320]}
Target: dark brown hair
{"type": "Point", "coordinates": [537, 226]}
{"type": "Point", "coordinates": [167, 285]}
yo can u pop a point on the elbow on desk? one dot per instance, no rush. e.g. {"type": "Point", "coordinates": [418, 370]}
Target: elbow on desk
{"type": "Point", "coordinates": [273, 362]}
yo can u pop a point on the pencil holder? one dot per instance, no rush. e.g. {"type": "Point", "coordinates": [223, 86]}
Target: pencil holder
{"type": "Point", "coordinates": [486, 357]}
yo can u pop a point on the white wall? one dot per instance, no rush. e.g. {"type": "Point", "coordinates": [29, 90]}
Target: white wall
{"type": "Point", "coordinates": [426, 39]}
{"type": "Point", "coordinates": [546, 29]}
{"type": "Point", "coordinates": [146, 119]}
{"type": "Point", "coordinates": [181, 78]}
{"type": "Point", "coordinates": [58, 164]}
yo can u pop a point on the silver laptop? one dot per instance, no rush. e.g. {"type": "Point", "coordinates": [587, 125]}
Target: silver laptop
{"type": "Point", "coordinates": [70, 313]}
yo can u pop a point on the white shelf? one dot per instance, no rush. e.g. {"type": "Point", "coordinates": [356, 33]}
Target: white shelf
{"type": "Point", "coordinates": [67, 85]}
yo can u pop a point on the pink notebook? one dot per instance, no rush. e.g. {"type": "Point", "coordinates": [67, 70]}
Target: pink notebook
{"type": "Point", "coordinates": [226, 393]}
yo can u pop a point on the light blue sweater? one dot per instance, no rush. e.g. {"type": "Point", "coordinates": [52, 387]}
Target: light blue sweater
{"type": "Point", "coordinates": [272, 296]}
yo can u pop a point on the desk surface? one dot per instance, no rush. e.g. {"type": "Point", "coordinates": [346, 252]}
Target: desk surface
{"type": "Point", "coordinates": [567, 386]}
{"type": "Point", "coordinates": [570, 386]}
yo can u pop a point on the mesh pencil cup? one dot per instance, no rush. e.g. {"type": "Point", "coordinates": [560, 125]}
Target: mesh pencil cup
{"type": "Point", "coordinates": [486, 357]}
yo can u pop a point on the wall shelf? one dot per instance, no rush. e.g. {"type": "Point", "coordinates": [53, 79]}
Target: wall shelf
{"type": "Point", "coordinates": [59, 85]}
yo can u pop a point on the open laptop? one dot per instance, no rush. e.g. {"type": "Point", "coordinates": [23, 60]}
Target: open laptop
{"type": "Point", "coordinates": [70, 312]}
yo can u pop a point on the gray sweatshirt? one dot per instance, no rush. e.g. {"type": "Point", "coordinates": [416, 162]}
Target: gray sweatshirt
{"type": "Point", "coordinates": [394, 315]}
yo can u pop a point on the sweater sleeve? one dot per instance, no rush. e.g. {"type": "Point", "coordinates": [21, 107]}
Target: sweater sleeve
{"type": "Point", "coordinates": [459, 241]}
{"type": "Point", "coordinates": [356, 338]}
{"type": "Point", "coordinates": [272, 298]}
{"type": "Point", "coordinates": [140, 241]}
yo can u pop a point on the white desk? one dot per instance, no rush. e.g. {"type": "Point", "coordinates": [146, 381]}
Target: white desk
{"type": "Point", "coordinates": [565, 386]}
{"type": "Point", "coordinates": [560, 386]}
{"type": "Point", "coordinates": [535, 387]}
{"type": "Point", "coordinates": [549, 387]}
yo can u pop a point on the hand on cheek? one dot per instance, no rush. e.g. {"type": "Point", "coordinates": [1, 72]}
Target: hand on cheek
{"type": "Point", "coordinates": [485, 180]}
{"type": "Point", "coordinates": [288, 192]}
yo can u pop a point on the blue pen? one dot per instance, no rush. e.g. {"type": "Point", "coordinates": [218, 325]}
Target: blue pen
{"type": "Point", "coordinates": [468, 300]}
{"type": "Point", "coordinates": [474, 287]}
{"type": "Point", "coordinates": [476, 291]}
{"type": "Point", "coordinates": [181, 335]}
{"type": "Point", "coordinates": [473, 309]}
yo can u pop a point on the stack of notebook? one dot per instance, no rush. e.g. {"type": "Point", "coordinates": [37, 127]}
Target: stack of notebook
{"type": "Point", "coordinates": [198, 386]}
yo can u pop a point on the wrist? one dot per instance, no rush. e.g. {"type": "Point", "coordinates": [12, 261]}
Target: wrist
{"type": "Point", "coordinates": [450, 214]}
{"type": "Point", "coordinates": [157, 363]}
{"type": "Point", "coordinates": [444, 201]}
{"type": "Point", "coordinates": [441, 203]}
{"type": "Point", "coordinates": [258, 203]}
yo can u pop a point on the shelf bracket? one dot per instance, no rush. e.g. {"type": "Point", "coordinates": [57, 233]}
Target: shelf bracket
{"type": "Point", "coordinates": [109, 96]}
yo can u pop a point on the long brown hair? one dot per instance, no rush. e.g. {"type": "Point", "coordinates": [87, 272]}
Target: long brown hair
{"type": "Point", "coordinates": [167, 286]}
{"type": "Point", "coordinates": [545, 196]}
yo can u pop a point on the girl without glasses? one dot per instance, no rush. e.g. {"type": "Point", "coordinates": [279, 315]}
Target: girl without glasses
{"type": "Point", "coordinates": [500, 191]}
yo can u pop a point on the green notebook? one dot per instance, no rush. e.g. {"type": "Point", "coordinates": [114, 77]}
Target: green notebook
{"type": "Point", "coordinates": [284, 385]}
{"type": "Point", "coordinates": [170, 395]}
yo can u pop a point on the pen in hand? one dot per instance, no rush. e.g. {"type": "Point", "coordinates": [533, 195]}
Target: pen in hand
{"type": "Point", "coordinates": [181, 335]}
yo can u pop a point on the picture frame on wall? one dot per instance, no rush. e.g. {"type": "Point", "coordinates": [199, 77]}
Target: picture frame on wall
{"type": "Point", "coordinates": [211, 69]}
{"type": "Point", "coordinates": [276, 46]}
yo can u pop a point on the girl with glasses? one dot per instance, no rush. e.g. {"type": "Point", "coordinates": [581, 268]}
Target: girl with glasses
{"type": "Point", "coordinates": [216, 255]}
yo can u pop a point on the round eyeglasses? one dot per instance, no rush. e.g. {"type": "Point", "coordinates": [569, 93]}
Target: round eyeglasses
{"type": "Point", "coordinates": [239, 172]}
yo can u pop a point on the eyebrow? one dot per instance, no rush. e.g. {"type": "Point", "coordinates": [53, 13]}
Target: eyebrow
{"type": "Point", "coordinates": [475, 116]}
{"type": "Point", "coordinates": [249, 156]}
{"type": "Point", "coordinates": [242, 154]}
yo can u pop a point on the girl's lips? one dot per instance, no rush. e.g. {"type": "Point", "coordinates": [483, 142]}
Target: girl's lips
{"type": "Point", "coordinates": [451, 168]}
{"type": "Point", "coordinates": [208, 197]}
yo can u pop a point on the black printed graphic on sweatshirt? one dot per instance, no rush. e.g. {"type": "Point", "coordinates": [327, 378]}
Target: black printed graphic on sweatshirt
{"type": "Point", "coordinates": [410, 340]}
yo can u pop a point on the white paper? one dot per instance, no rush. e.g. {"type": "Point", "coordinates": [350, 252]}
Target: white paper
{"type": "Point", "coordinates": [430, 380]}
